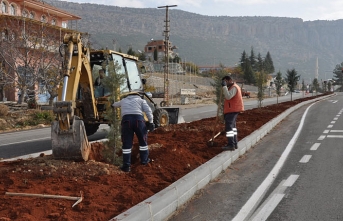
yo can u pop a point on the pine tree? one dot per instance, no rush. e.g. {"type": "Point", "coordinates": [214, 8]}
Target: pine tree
{"type": "Point", "coordinates": [252, 60]}
{"type": "Point", "coordinates": [338, 75]}
{"type": "Point", "coordinates": [260, 63]}
{"type": "Point", "coordinates": [243, 60]}
{"type": "Point", "coordinates": [249, 76]}
{"type": "Point", "coordinates": [268, 64]}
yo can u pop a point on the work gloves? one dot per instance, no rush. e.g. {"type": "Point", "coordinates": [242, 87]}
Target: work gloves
{"type": "Point", "coordinates": [223, 83]}
{"type": "Point", "coordinates": [150, 126]}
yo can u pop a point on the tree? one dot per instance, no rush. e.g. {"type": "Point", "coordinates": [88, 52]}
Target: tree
{"type": "Point", "coordinates": [131, 52]}
{"type": "Point", "coordinates": [292, 80]}
{"type": "Point", "coordinates": [249, 76]}
{"type": "Point", "coordinates": [5, 81]}
{"type": "Point", "coordinates": [252, 60]}
{"type": "Point", "coordinates": [315, 85]}
{"type": "Point", "coordinates": [260, 63]}
{"type": "Point", "coordinates": [217, 85]}
{"type": "Point", "coordinates": [279, 82]}
{"type": "Point", "coordinates": [338, 76]}
{"type": "Point", "coordinates": [142, 56]}
{"type": "Point", "coordinates": [243, 60]}
{"type": "Point", "coordinates": [30, 50]}
{"type": "Point", "coordinates": [261, 79]}
{"type": "Point", "coordinates": [268, 64]}
{"type": "Point", "coordinates": [112, 82]}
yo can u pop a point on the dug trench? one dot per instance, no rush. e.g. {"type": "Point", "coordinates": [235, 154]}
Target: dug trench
{"type": "Point", "coordinates": [175, 150]}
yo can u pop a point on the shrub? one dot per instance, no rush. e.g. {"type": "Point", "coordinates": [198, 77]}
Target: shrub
{"type": "Point", "coordinates": [3, 110]}
{"type": "Point", "coordinates": [43, 117]}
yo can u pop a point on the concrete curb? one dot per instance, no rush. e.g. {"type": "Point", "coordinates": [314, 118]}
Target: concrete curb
{"type": "Point", "coordinates": [164, 203]}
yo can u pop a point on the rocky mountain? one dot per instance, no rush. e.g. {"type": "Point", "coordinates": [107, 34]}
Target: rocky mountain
{"type": "Point", "coordinates": [209, 40]}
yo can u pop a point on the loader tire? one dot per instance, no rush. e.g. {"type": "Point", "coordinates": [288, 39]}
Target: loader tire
{"type": "Point", "coordinates": [91, 128]}
{"type": "Point", "coordinates": [161, 117]}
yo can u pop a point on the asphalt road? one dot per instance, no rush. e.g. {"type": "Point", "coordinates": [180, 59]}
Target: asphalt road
{"type": "Point", "coordinates": [21, 143]}
{"type": "Point", "coordinates": [296, 170]}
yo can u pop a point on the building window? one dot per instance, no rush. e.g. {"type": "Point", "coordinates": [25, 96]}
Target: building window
{"type": "Point", "coordinates": [53, 21]}
{"type": "Point", "coordinates": [64, 24]}
{"type": "Point", "coordinates": [32, 15]}
{"type": "Point", "coordinates": [13, 10]}
{"type": "Point", "coordinates": [43, 19]}
{"type": "Point", "coordinates": [4, 7]}
{"type": "Point", "coordinates": [25, 14]}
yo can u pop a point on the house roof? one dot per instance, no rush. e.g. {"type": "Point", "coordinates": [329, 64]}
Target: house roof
{"type": "Point", "coordinates": [46, 8]}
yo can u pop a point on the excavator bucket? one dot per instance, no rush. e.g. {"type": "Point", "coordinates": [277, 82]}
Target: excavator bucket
{"type": "Point", "coordinates": [72, 144]}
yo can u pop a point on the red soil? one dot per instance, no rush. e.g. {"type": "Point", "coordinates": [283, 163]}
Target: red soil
{"type": "Point", "coordinates": [175, 151]}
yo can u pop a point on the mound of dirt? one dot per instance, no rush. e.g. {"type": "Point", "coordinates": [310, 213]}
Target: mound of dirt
{"type": "Point", "coordinates": [175, 150]}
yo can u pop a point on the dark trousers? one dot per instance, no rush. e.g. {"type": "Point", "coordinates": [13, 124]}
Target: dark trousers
{"type": "Point", "coordinates": [130, 125]}
{"type": "Point", "coordinates": [230, 128]}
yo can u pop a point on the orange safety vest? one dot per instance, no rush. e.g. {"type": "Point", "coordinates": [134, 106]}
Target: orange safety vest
{"type": "Point", "coordinates": [235, 104]}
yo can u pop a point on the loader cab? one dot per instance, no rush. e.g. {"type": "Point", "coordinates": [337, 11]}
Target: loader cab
{"type": "Point", "coordinates": [114, 64]}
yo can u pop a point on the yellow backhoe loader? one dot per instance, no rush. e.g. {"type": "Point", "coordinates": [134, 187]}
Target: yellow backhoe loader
{"type": "Point", "coordinates": [82, 100]}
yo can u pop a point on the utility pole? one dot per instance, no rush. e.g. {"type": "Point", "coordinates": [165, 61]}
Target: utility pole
{"type": "Point", "coordinates": [166, 56]}
{"type": "Point", "coordinates": [114, 44]}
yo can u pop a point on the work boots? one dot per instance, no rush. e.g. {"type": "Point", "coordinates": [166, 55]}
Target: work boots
{"type": "Point", "coordinates": [229, 147]}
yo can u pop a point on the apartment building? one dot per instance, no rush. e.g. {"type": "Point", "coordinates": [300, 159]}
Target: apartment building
{"type": "Point", "coordinates": [160, 47]}
{"type": "Point", "coordinates": [36, 22]}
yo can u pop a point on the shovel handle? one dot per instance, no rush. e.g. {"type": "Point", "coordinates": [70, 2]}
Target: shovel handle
{"type": "Point", "coordinates": [214, 137]}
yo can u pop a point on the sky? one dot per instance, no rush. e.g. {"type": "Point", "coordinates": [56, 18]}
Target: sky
{"type": "Point", "coordinates": [308, 10]}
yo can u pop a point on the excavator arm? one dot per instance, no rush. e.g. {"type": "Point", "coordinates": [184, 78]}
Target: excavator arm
{"type": "Point", "coordinates": [68, 134]}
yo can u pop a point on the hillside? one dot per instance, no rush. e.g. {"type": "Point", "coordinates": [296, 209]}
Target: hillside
{"type": "Point", "coordinates": [208, 40]}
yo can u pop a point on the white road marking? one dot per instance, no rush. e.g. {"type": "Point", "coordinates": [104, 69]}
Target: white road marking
{"type": "Point", "coordinates": [322, 137]}
{"type": "Point", "coordinates": [25, 141]}
{"type": "Point", "coordinates": [291, 180]}
{"type": "Point", "coordinates": [336, 131]}
{"type": "Point", "coordinates": [269, 207]}
{"type": "Point", "coordinates": [315, 146]}
{"type": "Point", "coordinates": [336, 118]}
{"type": "Point", "coordinates": [334, 136]}
{"type": "Point", "coordinates": [305, 159]}
{"type": "Point", "coordinates": [257, 196]}
{"type": "Point", "coordinates": [273, 200]}
{"type": "Point", "coordinates": [326, 131]}
{"type": "Point", "coordinates": [332, 122]}
{"type": "Point", "coordinates": [330, 126]}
